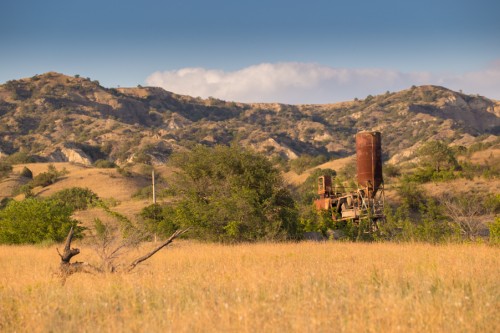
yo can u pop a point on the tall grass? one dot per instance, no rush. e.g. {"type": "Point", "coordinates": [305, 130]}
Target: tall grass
{"type": "Point", "coordinates": [321, 287]}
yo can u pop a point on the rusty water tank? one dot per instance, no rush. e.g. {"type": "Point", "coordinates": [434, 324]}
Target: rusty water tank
{"type": "Point", "coordinates": [369, 160]}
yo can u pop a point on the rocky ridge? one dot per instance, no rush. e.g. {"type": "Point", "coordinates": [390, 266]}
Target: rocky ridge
{"type": "Point", "coordinates": [61, 118]}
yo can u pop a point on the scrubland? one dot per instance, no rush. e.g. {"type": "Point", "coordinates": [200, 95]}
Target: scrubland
{"type": "Point", "coordinates": [307, 287]}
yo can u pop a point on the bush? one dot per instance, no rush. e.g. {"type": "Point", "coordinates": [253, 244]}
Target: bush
{"type": "Point", "coordinates": [76, 197]}
{"type": "Point", "coordinates": [146, 192]}
{"type": "Point", "coordinates": [35, 221]}
{"type": "Point", "coordinates": [494, 228]}
{"type": "Point", "coordinates": [44, 179]}
{"type": "Point", "coordinates": [124, 172]}
{"type": "Point", "coordinates": [47, 178]}
{"type": "Point", "coordinates": [5, 169]}
{"type": "Point", "coordinates": [427, 174]}
{"type": "Point", "coordinates": [19, 158]}
{"type": "Point", "coordinates": [104, 164]}
{"type": "Point", "coordinates": [412, 195]}
{"type": "Point", "coordinates": [429, 225]}
{"type": "Point", "coordinates": [391, 170]}
{"type": "Point", "coordinates": [159, 220]}
{"type": "Point", "coordinates": [434, 226]}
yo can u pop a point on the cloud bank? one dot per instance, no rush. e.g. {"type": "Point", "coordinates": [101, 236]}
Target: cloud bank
{"type": "Point", "coordinates": [297, 83]}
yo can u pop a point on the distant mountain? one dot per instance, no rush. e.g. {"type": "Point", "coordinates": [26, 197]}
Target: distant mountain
{"type": "Point", "coordinates": [61, 118]}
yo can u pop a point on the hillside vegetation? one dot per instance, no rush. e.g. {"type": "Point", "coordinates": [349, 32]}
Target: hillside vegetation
{"type": "Point", "coordinates": [440, 151]}
{"type": "Point", "coordinates": [58, 118]}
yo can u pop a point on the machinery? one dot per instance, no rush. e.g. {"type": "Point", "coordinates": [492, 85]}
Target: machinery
{"type": "Point", "coordinates": [366, 202]}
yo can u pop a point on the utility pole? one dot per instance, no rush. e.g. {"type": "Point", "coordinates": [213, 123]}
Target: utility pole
{"type": "Point", "coordinates": [154, 193]}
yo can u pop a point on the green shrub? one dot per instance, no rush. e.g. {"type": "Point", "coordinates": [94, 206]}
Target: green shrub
{"type": "Point", "coordinates": [433, 226]}
{"type": "Point", "coordinates": [47, 178]}
{"type": "Point", "coordinates": [124, 172]}
{"type": "Point", "coordinates": [19, 158]}
{"type": "Point", "coordinates": [494, 228]}
{"type": "Point", "coordinates": [391, 170]}
{"type": "Point", "coordinates": [25, 189]}
{"type": "Point", "coordinates": [34, 221]}
{"type": "Point", "coordinates": [44, 179]}
{"type": "Point", "coordinates": [411, 193]}
{"type": "Point", "coordinates": [427, 174]}
{"type": "Point", "coordinates": [5, 169]}
{"type": "Point", "coordinates": [159, 220]}
{"type": "Point", "coordinates": [492, 203]}
{"type": "Point", "coordinates": [104, 164]}
{"type": "Point", "coordinates": [76, 197]}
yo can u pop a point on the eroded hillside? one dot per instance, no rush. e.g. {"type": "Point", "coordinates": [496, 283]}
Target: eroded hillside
{"type": "Point", "coordinates": [61, 118]}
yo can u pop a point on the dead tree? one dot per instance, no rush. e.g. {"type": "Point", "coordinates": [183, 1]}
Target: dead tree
{"type": "Point", "coordinates": [68, 268]}
{"type": "Point", "coordinates": [150, 254]}
{"type": "Point", "coordinates": [465, 211]}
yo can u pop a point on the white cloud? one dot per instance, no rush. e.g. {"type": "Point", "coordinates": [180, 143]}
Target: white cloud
{"type": "Point", "coordinates": [293, 82]}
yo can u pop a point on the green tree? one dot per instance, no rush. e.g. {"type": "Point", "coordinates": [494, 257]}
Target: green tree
{"type": "Point", "coordinates": [494, 228]}
{"type": "Point", "coordinates": [34, 221]}
{"type": "Point", "coordinates": [437, 155]}
{"type": "Point", "coordinates": [159, 220]}
{"type": "Point", "coordinates": [232, 194]}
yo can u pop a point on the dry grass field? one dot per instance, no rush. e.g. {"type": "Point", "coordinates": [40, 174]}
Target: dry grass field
{"type": "Point", "coordinates": [306, 287]}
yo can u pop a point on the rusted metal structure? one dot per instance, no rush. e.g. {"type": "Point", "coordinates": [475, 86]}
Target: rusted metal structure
{"type": "Point", "coordinates": [366, 202]}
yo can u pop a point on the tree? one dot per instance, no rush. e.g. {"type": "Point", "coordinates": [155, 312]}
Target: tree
{"type": "Point", "coordinates": [232, 194]}
{"type": "Point", "coordinates": [158, 219]}
{"type": "Point", "coordinates": [437, 155]}
{"type": "Point", "coordinates": [33, 221]}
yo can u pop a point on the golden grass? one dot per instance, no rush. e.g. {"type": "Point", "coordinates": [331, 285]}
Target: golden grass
{"type": "Point", "coordinates": [321, 287]}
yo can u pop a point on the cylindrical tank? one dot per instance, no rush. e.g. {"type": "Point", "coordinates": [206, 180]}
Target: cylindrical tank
{"type": "Point", "coordinates": [369, 160]}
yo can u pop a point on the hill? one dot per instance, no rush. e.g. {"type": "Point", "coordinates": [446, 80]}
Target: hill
{"type": "Point", "coordinates": [58, 118]}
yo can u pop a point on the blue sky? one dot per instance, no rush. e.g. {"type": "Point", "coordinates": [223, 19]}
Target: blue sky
{"type": "Point", "coordinates": [284, 51]}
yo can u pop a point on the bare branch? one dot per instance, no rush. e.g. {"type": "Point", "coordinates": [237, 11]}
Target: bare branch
{"type": "Point", "coordinates": [59, 253]}
{"type": "Point", "coordinates": [69, 238]}
{"type": "Point", "coordinates": [465, 211]}
{"type": "Point", "coordinates": [150, 254]}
